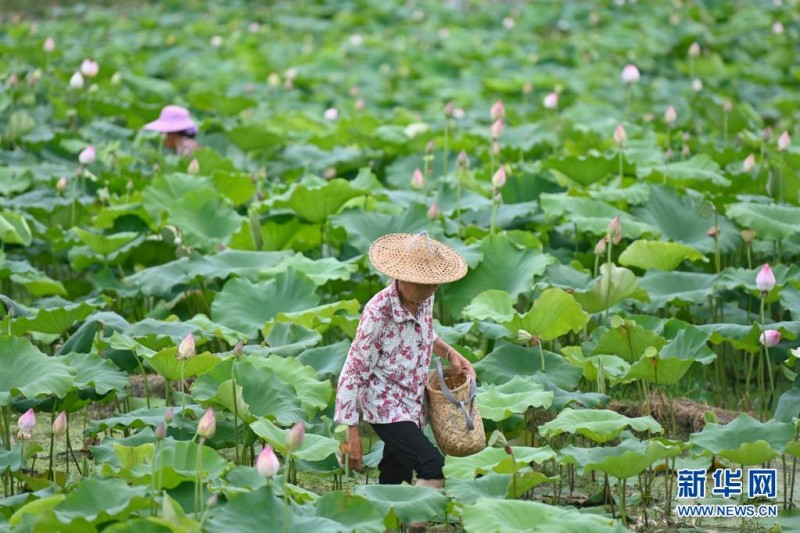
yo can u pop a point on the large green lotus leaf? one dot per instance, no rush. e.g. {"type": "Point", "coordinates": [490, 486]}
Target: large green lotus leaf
{"type": "Point", "coordinates": [83, 339]}
{"type": "Point", "coordinates": [283, 234]}
{"type": "Point", "coordinates": [208, 328]}
{"type": "Point", "coordinates": [628, 459]}
{"type": "Point", "coordinates": [667, 288]}
{"type": "Point", "coordinates": [14, 180]}
{"type": "Point", "coordinates": [97, 373]}
{"type": "Point", "coordinates": [348, 512]}
{"type": "Point", "coordinates": [363, 227]}
{"type": "Point", "coordinates": [598, 425]}
{"type": "Point", "coordinates": [504, 267]}
{"type": "Point", "coordinates": [554, 313]}
{"type": "Point", "coordinates": [659, 255]}
{"type": "Point", "coordinates": [745, 440]}
{"type": "Point", "coordinates": [686, 341]}
{"type": "Point", "coordinates": [38, 284]}
{"type": "Point", "coordinates": [313, 393]}
{"type": "Point", "coordinates": [788, 406]}
{"type": "Point", "coordinates": [163, 193]}
{"type": "Point", "coordinates": [105, 245]}
{"type": "Point", "coordinates": [494, 460]}
{"type": "Point", "coordinates": [490, 305]}
{"type": "Point", "coordinates": [316, 204]}
{"type": "Point", "coordinates": [288, 339]}
{"type": "Point", "coordinates": [629, 341]}
{"type": "Point", "coordinates": [583, 170]}
{"type": "Point", "coordinates": [593, 216]}
{"type": "Point", "coordinates": [509, 360]}
{"type": "Point", "coordinates": [35, 507]}
{"type": "Point", "coordinates": [700, 171]}
{"type": "Point", "coordinates": [314, 448]}
{"type": "Point", "coordinates": [659, 371]}
{"type": "Point", "coordinates": [139, 419]}
{"type": "Point", "coordinates": [468, 491]}
{"type": "Point", "coordinates": [204, 219]}
{"type": "Point", "coordinates": [168, 366]}
{"type": "Point", "coordinates": [246, 306]}
{"type": "Point", "coordinates": [562, 398]}
{"type": "Point", "coordinates": [614, 368]}
{"type": "Point", "coordinates": [159, 280]}
{"type": "Point", "coordinates": [770, 221]}
{"type": "Point", "coordinates": [737, 278]}
{"type": "Point", "coordinates": [404, 503]}
{"type": "Point", "coordinates": [93, 502]}
{"type": "Point", "coordinates": [320, 271]}
{"type": "Point", "coordinates": [238, 187]}
{"type": "Point", "coordinates": [614, 285]}
{"type": "Point", "coordinates": [29, 372]}
{"type": "Point", "coordinates": [498, 402]}
{"type": "Point", "coordinates": [254, 137]}
{"type": "Point", "coordinates": [740, 336]}
{"type": "Point", "coordinates": [327, 360]}
{"type": "Point", "coordinates": [56, 320]}
{"type": "Point", "coordinates": [515, 516]}
{"type": "Point", "coordinates": [14, 229]}
{"type": "Point", "coordinates": [154, 524]}
{"type": "Point", "coordinates": [256, 510]}
{"type": "Point", "coordinates": [317, 318]}
{"type": "Point", "coordinates": [691, 227]}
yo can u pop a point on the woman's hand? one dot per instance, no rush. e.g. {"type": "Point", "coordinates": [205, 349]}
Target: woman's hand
{"type": "Point", "coordinates": [461, 364]}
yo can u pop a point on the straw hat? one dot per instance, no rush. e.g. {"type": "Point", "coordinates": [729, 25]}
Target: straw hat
{"type": "Point", "coordinates": [173, 119]}
{"type": "Point", "coordinates": [417, 258]}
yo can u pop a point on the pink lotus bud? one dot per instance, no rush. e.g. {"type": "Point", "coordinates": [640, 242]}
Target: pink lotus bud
{"type": "Point", "coordinates": [600, 247]}
{"type": "Point", "coordinates": [670, 115]}
{"type": "Point", "coordinates": [354, 91]}
{"type": "Point", "coordinates": [551, 101]}
{"type": "Point", "coordinates": [462, 159]}
{"type": "Point", "coordinates": [459, 113]}
{"type": "Point", "coordinates": [430, 147]}
{"type": "Point", "coordinates": [207, 425]}
{"type": "Point", "coordinates": [448, 109]}
{"type": "Point", "coordinates": [614, 230]}
{"type": "Point", "coordinates": [186, 349]}
{"type": "Point", "coordinates": [331, 114]}
{"type": "Point", "coordinates": [267, 463]}
{"type": "Point", "coordinates": [215, 41]}
{"type": "Point", "coordinates": [749, 163]}
{"type": "Point", "coordinates": [697, 85]}
{"type": "Point", "coordinates": [498, 198]}
{"type": "Point", "coordinates": [433, 211]}
{"type": "Point", "coordinates": [356, 39]}
{"type": "Point", "coordinates": [294, 439]}
{"type": "Point", "coordinates": [89, 68]}
{"type": "Point", "coordinates": [765, 279]}
{"type": "Point", "coordinates": [194, 166]}
{"type": "Point", "coordinates": [497, 129]}
{"type": "Point", "coordinates": [238, 349]}
{"type": "Point", "coordinates": [770, 338]}
{"type": "Point", "coordinates": [417, 179]}
{"type": "Point", "coordinates": [60, 424]}
{"type": "Point", "coordinates": [694, 49]}
{"type": "Point", "coordinates": [253, 27]}
{"type": "Point", "coordinates": [508, 23]}
{"type": "Point", "coordinates": [766, 133]}
{"type": "Point", "coordinates": [499, 178]}
{"type": "Point", "coordinates": [86, 157]}
{"type": "Point", "coordinates": [498, 110]}
{"type": "Point", "coordinates": [777, 28]}
{"type": "Point", "coordinates": [784, 141]}
{"type": "Point", "coordinates": [49, 45]}
{"type": "Point", "coordinates": [360, 105]}
{"type": "Point", "coordinates": [27, 422]}
{"type": "Point", "coordinates": [76, 81]}
{"type": "Point", "coordinates": [620, 137]}
{"type": "Point", "coordinates": [527, 88]}
{"type": "Point", "coordinates": [169, 414]}
{"type": "Point", "coordinates": [668, 154]}
{"type": "Point", "coordinates": [61, 184]}
{"type": "Point", "coordinates": [727, 106]}
{"type": "Point", "coordinates": [630, 74]}
{"type": "Point", "coordinates": [161, 431]}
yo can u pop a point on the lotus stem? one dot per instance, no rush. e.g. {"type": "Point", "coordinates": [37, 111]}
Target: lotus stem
{"type": "Point", "coordinates": [235, 416]}
{"type": "Point", "coordinates": [446, 154]}
{"type": "Point", "coordinates": [766, 356]}
{"type": "Point", "coordinates": [70, 451]}
{"type": "Point", "coordinates": [286, 498]}
{"type": "Point", "coordinates": [198, 491]}
{"type": "Point", "coordinates": [146, 382]}
{"type": "Point", "coordinates": [608, 281]}
{"type": "Point", "coordinates": [622, 502]}
{"type": "Point", "coordinates": [541, 354]}
{"type": "Point", "coordinates": [50, 474]}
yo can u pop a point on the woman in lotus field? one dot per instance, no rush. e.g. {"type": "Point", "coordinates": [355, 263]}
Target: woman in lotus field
{"type": "Point", "coordinates": [178, 128]}
{"type": "Point", "coordinates": [387, 365]}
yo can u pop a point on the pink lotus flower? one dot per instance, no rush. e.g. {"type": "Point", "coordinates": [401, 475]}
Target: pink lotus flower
{"type": "Point", "coordinates": [765, 279]}
{"type": "Point", "coordinates": [497, 129]}
{"type": "Point", "coordinates": [26, 424]}
{"type": "Point", "coordinates": [417, 179]}
{"type": "Point", "coordinates": [331, 114]}
{"type": "Point", "coordinates": [194, 166]}
{"type": "Point", "coordinates": [61, 184]}
{"type": "Point", "coordinates": [784, 141]}
{"type": "Point", "coordinates": [770, 338]}
{"type": "Point", "coordinates": [749, 163]}
{"type": "Point", "coordinates": [551, 101]}
{"type": "Point", "coordinates": [498, 110]}
{"type": "Point", "coordinates": [433, 211]}
{"type": "Point", "coordinates": [186, 349]}
{"type": "Point", "coordinates": [777, 28]}
{"type": "Point", "coordinates": [600, 247]}
{"type": "Point", "coordinates": [267, 463]}
{"type": "Point", "coordinates": [49, 45]}
{"type": "Point", "coordinates": [89, 68]}
{"type": "Point", "coordinates": [499, 178]}
{"type": "Point", "coordinates": [60, 424]}
{"type": "Point", "coordinates": [670, 115]}
{"type": "Point", "coordinates": [620, 137]}
{"type": "Point", "coordinates": [630, 74]}
{"type": "Point", "coordinates": [694, 49]}
{"type": "Point", "coordinates": [697, 85]}
{"type": "Point", "coordinates": [215, 41]}
{"type": "Point", "coordinates": [294, 439]}
{"type": "Point", "coordinates": [614, 230]}
{"type": "Point", "coordinates": [207, 425]}
{"type": "Point", "coordinates": [462, 159]}
{"type": "Point", "coordinates": [76, 81]}
{"type": "Point", "coordinates": [86, 157]}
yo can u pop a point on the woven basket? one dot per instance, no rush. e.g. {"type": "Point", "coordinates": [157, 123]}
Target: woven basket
{"type": "Point", "coordinates": [456, 421]}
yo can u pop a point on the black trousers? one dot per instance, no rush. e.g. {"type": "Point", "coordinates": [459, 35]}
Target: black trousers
{"type": "Point", "coordinates": [407, 449]}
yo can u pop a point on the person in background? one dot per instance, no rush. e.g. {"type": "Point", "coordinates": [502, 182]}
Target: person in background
{"type": "Point", "coordinates": [178, 128]}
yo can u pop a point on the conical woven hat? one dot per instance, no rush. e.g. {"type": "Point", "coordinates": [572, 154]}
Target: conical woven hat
{"type": "Point", "coordinates": [416, 258]}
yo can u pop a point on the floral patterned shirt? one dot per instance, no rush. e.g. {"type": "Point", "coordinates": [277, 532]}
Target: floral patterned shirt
{"type": "Point", "coordinates": [388, 363]}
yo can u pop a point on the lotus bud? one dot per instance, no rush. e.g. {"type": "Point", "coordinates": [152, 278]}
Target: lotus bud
{"type": "Point", "coordinates": [448, 109]}
{"type": "Point", "coordinates": [784, 141]}
{"type": "Point", "coordinates": [87, 156]}
{"type": "Point", "coordinates": [169, 415]}
{"type": "Point", "coordinates": [749, 163]}
{"type": "Point", "coordinates": [508, 23]}
{"type": "Point", "coordinates": [497, 129]}
{"type": "Point", "coordinates": [129, 185]}
{"type": "Point", "coordinates": [766, 133]}
{"type": "Point", "coordinates": [499, 178]}
{"type": "Point", "coordinates": [89, 68]}
{"type": "Point", "coordinates": [26, 423]}
{"type": "Point", "coordinates": [697, 85]}
{"type": "Point", "coordinates": [527, 88]}
{"type": "Point", "coordinates": [765, 279]}
{"type": "Point", "coordinates": [60, 424]}
{"type": "Point", "coordinates": [353, 91]}
{"type": "Point", "coordinates": [291, 73]}
{"type": "Point", "coordinates": [430, 147]}
{"type": "Point", "coordinates": [161, 431]}
{"type": "Point", "coordinates": [116, 79]}
{"type": "Point", "coordinates": [614, 230]}
{"type": "Point", "coordinates": [360, 105]}
{"type": "Point", "coordinates": [694, 49]}
{"type": "Point", "coordinates": [433, 211]}
{"type": "Point", "coordinates": [49, 45]}
{"type": "Point", "coordinates": [770, 338]}
{"type": "Point", "coordinates": [748, 235]}
{"type": "Point", "coordinates": [253, 27]}
{"type": "Point", "coordinates": [462, 159]}
{"type": "Point", "coordinates": [620, 137]}
{"type": "Point", "coordinates": [551, 101]}
{"type": "Point", "coordinates": [215, 41]}
{"type": "Point", "coordinates": [273, 80]}
{"type": "Point", "coordinates": [713, 232]}
{"type": "Point", "coordinates": [186, 349]}
{"type": "Point", "coordinates": [630, 74]}
{"type": "Point", "coordinates": [498, 198]}
{"type": "Point", "coordinates": [294, 440]}
{"type": "Point", "coordinates": [212, 500]}
{"type": "Point", "coordinates": [194, 167]}
{"type": "Point", "coordinates": [601, 246]}
{"type": "Point", "coordinates": [238, 349]}
{"type": "Point", "coordinates": [685, 151]}
{"type": "Point", "coordinates": [61, 184]}
{"type": "Point", "coordinates": [417, 179]}
{"type": "Point", "coordinates": [523, 337]}
{"type": "Point", "coordinates": [670, 115]}
{"type": "Point", "coordinates": [668, 154]}
{"type": "Point", "coordinates": [267, 463]}
{"type": "Point", "coordinates": [76, 81]}
{"type": "Point", "coordinates": [508, 449]}
{"type": "Point", "coordinates": [207, 425]}
{"type": "Point", "coordinates": [498, 110]}
{"type": "Point", "coordinates": [777, 28]}
{"type": "Point", "coordinates": [727, 106]}
{"type": "Point", "coordinates": [459, 113]}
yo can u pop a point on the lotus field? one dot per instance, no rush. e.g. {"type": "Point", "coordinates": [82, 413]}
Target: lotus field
{"type": "Point", "coordinates": [622, 179]}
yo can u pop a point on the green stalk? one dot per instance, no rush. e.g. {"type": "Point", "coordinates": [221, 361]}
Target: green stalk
{"type": "Point", "coordinates": [235, 417]}
{"type": "Point", "coordinates": [446, 151]}
{"type": "Point", "coordinates": [608, 281]}
{"type": "Point", "coordinates": [541, 354]}
{"type": "Point", "coordinates": [286, 495]}
{"type": "Point", "coordinates": [146, 382]}
{"type": "Point", "coordinates": [766, 350]}
{"type": "Point", "coordinates": [50, 474]}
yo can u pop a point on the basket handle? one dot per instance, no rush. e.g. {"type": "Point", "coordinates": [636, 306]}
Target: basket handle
{"type": "Point", "coordinates": [468, 416]}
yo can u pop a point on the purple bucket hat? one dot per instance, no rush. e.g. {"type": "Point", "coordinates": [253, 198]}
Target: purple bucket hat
{"type": "Point", "coordinates": [173, 119]}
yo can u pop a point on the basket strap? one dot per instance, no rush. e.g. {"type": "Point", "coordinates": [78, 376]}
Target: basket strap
{"type": "Point", "coordinates": [449, 395]}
